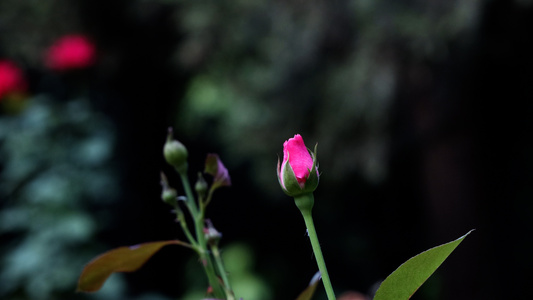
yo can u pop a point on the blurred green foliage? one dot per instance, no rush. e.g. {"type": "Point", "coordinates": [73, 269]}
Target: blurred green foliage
{"type": "Point", "coordinates": [266, 70]}
{"type": "Point", "coordinates": [56, 179]}
{"type": "Point", "coordinates": [27, 27]}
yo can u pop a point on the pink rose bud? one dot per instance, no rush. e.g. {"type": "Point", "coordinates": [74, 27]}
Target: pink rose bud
{"type": "Point", "coordinates": [298, 173]}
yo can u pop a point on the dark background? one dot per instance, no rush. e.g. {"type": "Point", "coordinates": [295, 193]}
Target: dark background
{"type": "Point", "coordinates": [422, 114]}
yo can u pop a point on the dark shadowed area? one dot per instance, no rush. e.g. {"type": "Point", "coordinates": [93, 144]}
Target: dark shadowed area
{"type": "Point", "coordinates": [422, 111]}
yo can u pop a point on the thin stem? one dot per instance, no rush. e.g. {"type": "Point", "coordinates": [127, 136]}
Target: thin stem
{"type": "Point", "coordinates": [222, 271]}
{"type": "Point", "coordinates": [206, 259]}
{"type": "Point", "coordinates": [211, 276]}
{"type": "Point", "coordinates": [198, 217]}
{"type": "Point", "coordinates": [305, 204]}
{"type": "Point", "coordinates": [209, 196]}
{"type": "Point", "coordinates": [191, 204]}
{"type": "Point", "coordinates": [318, 254]}
{"type": "Point", "coordinates": [181, 219]}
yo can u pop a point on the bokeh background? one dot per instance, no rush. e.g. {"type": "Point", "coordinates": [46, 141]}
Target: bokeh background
{"type": "Point", "coordinates": [422, 111]}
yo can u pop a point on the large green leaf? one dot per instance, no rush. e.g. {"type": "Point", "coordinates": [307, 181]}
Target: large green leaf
{"type": "Point", "coordinates": [405, 281]}
{"type": "Point", "coordinates": [308, 293]}
{"type": "Point", "coordinates": [123, 259]}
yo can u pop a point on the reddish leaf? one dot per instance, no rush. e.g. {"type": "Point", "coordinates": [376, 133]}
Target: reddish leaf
{"type": "Point", "coordinates": [308, 293]}
{"type": "Point", "coordinates": [123, 259]}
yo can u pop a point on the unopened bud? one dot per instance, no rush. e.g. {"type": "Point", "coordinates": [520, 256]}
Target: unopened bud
{"type": "Point", "coordinates": [175, 153]}
{"type": "Point", "coordinates": [212, 235]}
{"type": "Point", "coordinates": [201, 186]}
{"type": "Point", "coordinates": [168, 194]}
{"type": "Point", "coordinates": [298, 173]}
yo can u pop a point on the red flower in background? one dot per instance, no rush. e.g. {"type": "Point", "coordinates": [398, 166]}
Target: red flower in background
{"type": "Point", "coordinates": [70, 52]}
{"type": "Point", "coordinates": [11, 78]}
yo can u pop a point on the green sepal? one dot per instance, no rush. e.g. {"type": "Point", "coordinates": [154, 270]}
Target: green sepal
{"type": "Point", "coordinates": [312, 181]}
{"type": "Point", "coordinates": [279, 179]}
{"type": "Point", "coordinates": [291, 185]}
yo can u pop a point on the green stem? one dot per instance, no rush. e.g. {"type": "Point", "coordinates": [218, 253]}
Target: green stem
{"type": "Point", "coordinates": [207, 263]}
{"type": "Point", "coordinates": [181, 219]}
{"type": "Point", "coordinates": [191, 204]}
{"type": "Point", "coordinates": [198, 217]}
{"type": "Point", "coordinates": [209, 196]}
{"type": "Point", "coordinates": [222, 271]}
{"type": "Point", "coordinates": [305, 204]}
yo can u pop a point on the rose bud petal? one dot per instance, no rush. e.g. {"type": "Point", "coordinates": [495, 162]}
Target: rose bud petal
{"type": "Point", "coordinates": [298, 173]}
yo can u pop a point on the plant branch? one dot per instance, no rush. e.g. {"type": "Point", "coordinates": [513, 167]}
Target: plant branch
{"type": "Point", "coordinates": [305, 204]}
{"type": "Point", "coordinates": [200, 237]}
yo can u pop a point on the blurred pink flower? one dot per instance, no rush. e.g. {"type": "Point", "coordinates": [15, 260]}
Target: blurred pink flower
{"type": "Point", "coordinates": [11, 78]}
{"type": "Point", "coordinates": [70, 52]}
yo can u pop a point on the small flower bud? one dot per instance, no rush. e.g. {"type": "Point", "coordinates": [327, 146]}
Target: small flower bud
{"type": "Point", "coordinates": [201, 186]}
{"type": "Point", "coordinates": [168, 194]}
{"type": "Point", "coordinates": [175, 153]}
{"type": "Point", "coordinates": [211, 234]}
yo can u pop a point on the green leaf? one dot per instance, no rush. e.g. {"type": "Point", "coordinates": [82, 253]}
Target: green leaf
{"type": "Point", "coordinates": [405, 281]}
{"type": "Point", "coordinates": [123, 259]}
{"type": "Point", "coordinates": [308, 293]}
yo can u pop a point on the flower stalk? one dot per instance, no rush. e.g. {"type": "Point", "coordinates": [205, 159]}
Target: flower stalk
{"type": "Point", "coordinates": [305, 204]}
{"type": "Point", "coordinates": [298, 177]}
{"type": "Point", "coordinates": [222, 271]}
